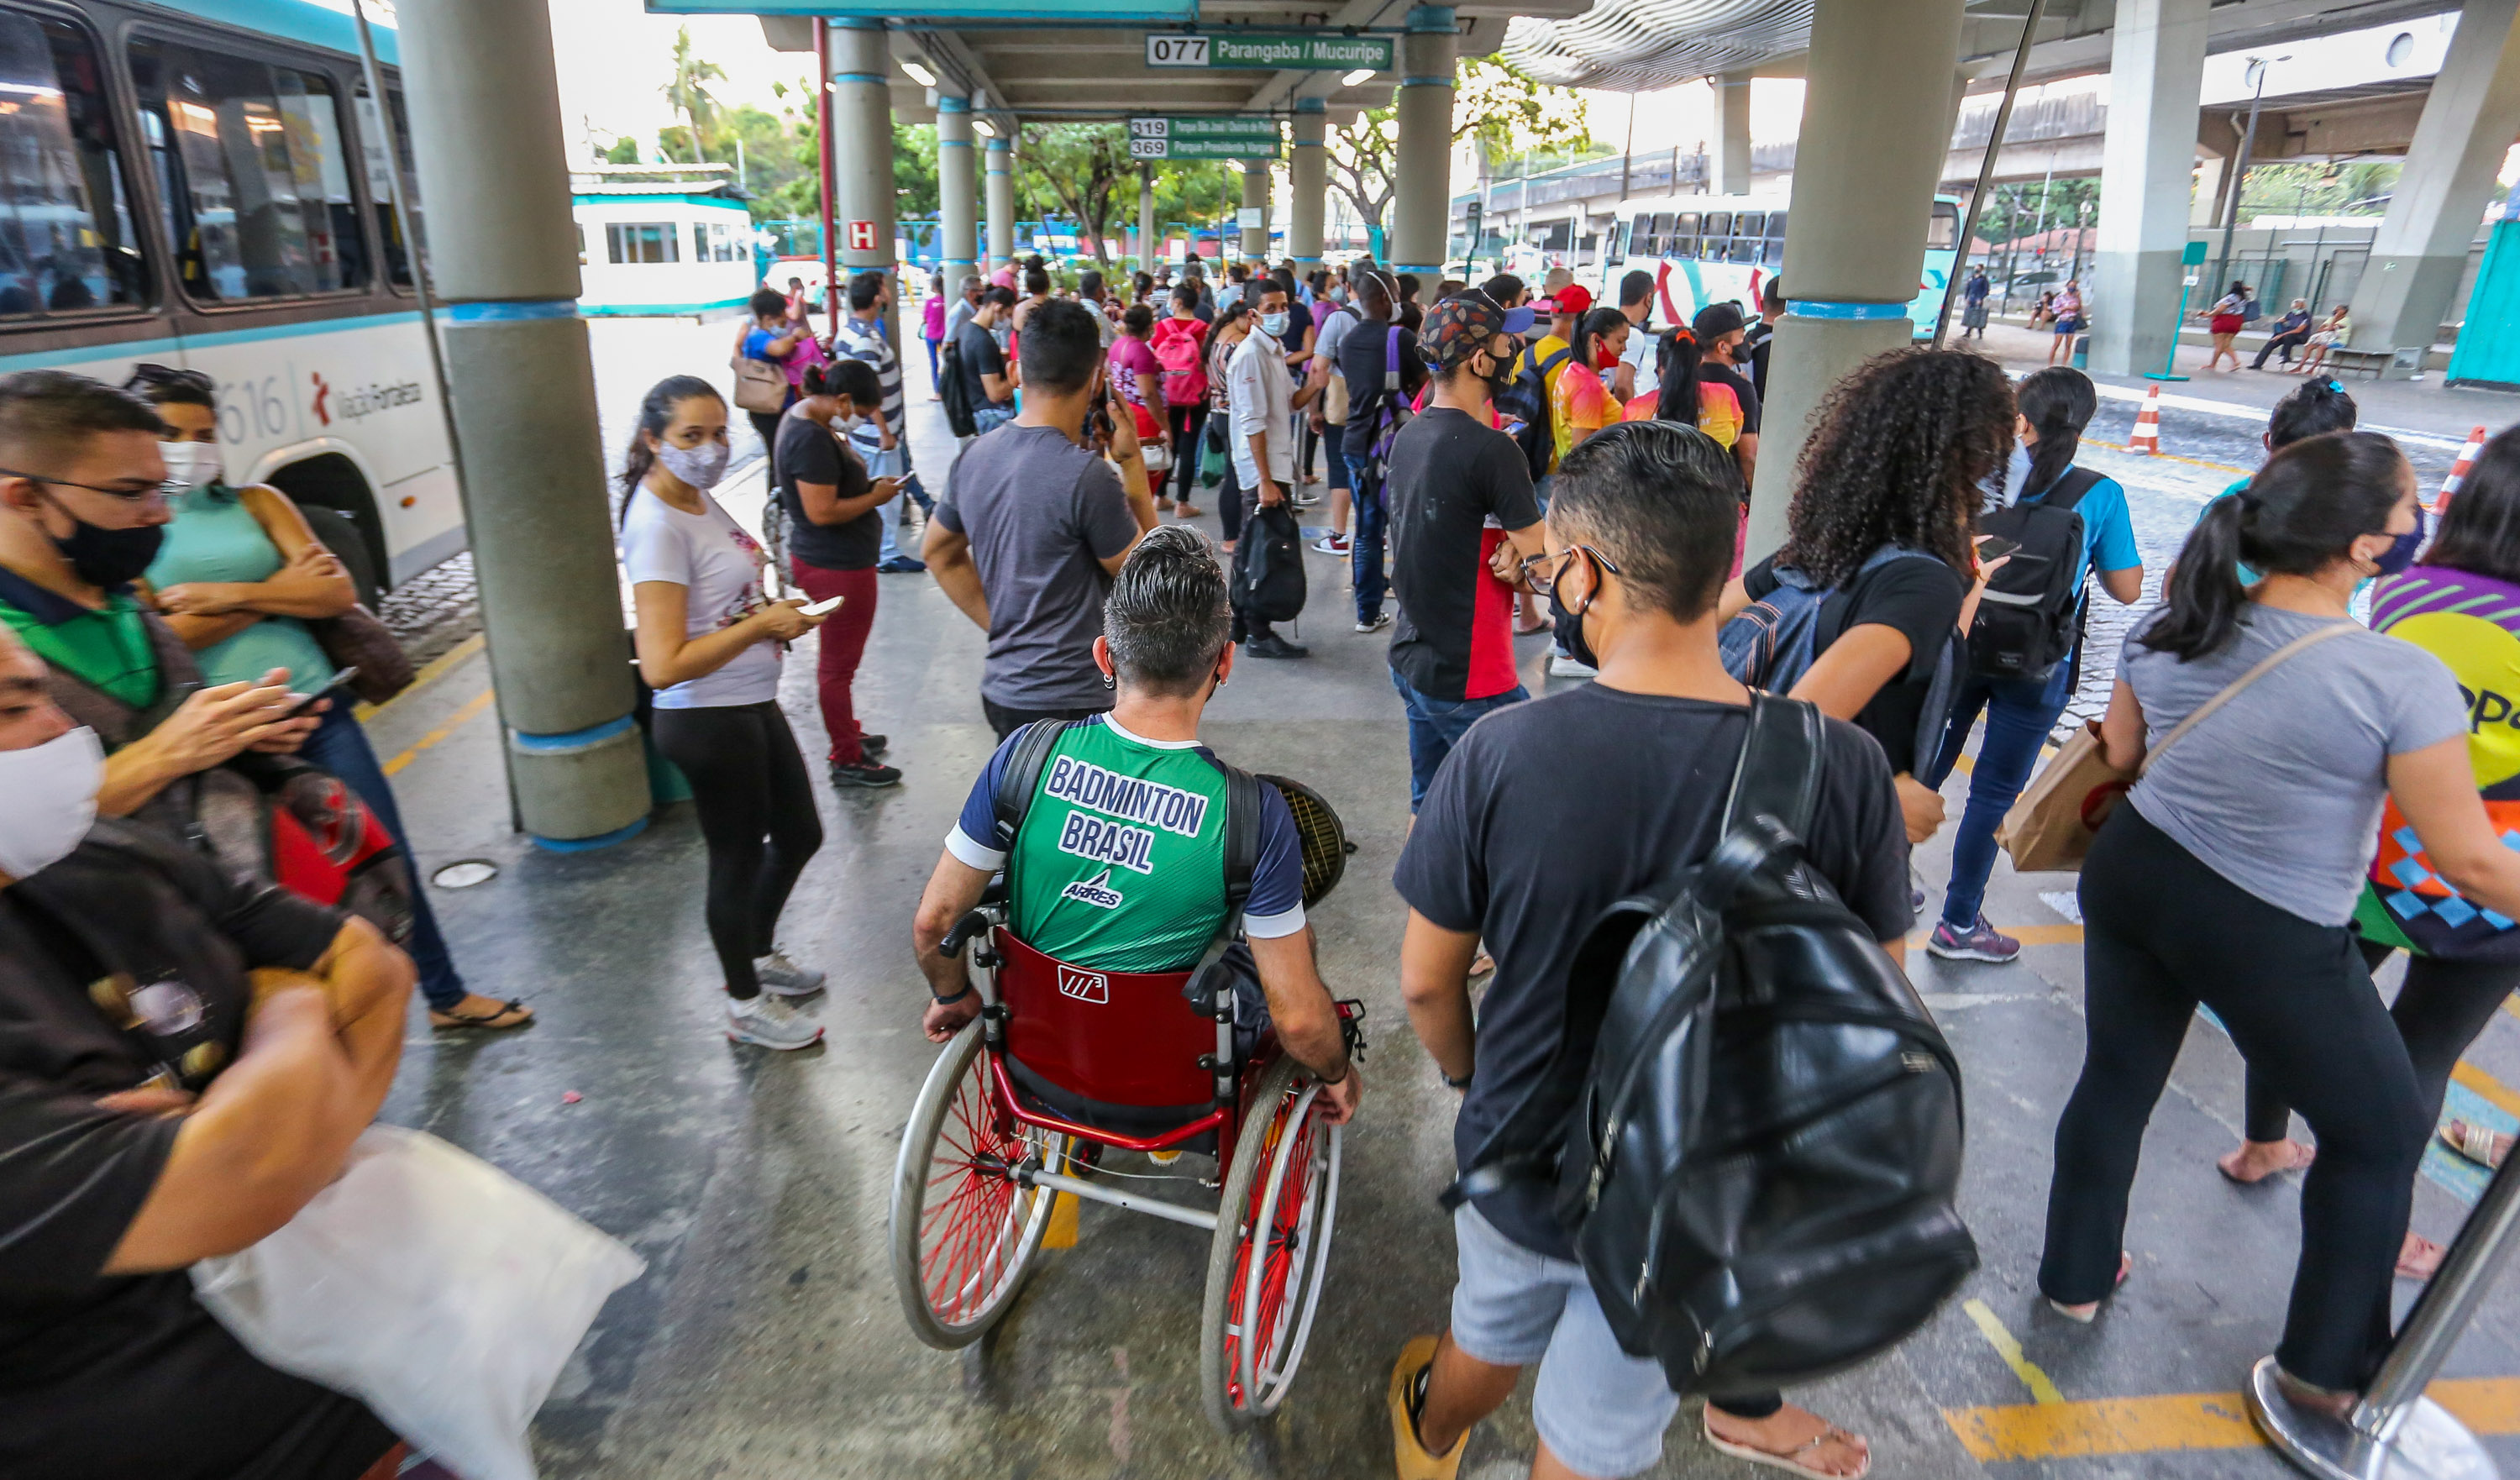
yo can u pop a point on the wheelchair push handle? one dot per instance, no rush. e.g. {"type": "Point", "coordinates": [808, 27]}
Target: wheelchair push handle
{"type": "Point", "coordinates": [972, 925]}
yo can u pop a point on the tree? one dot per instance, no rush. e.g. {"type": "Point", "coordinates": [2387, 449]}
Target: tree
{"type": "Point", "coordinates": [1495, 108]}
{"type": "Point", "coordinates": [624, 151]}
{"type": "Point", "coordinates": [1080, 166]}
{"type": "Point", "coordinates": [688, 93]}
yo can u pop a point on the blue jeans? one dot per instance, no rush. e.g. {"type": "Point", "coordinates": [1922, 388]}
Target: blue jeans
{"type": "Point", "coordinates": [1437, 724]}
{"type": "Point", "coordinates": [1335, 454]}
{"type": "Point", "coordinates": [2019, 714]}
{"type": "Point", "coordinates": [882, 464]}
{"type": "Point", "coordinates": [1367, 532]}
{"type": "Point", "coordinates": [341, 746]}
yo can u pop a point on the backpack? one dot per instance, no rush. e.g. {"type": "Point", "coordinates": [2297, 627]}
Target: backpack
{"type": "Point", "coordinates": [2032, 612]}
{"type": "Point", "coordinates": [1770, 644]}
{"type": "Point", "coordinates": [2249, 311]}
{"type": "Point", "coordinates": [1179, 353]}
{"type": "Point", "coordinates": [309, 832]}
{"type": "Point", "coordinates": [1527, 400]}
{"type": "Point", "coordinates": [1752, 1122]}
{"type": "Point", "coordinates": [1391, 409]}
{"type": "Point", "coordinates": [1270, 565]}
{"type": "Point", "coordinates": [953, 391]}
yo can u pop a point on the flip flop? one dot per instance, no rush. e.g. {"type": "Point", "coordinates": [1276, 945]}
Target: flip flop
{"type": "Point", "coordinates": [1790, 1460]}
{"type": "Point", "coordinates": [2473, 1142]}
{"type": "Point", "coordinates": [2126, 1267]}
{"type": "Point", "coordinates": [2302, 1156]}
{"type": "Point", "coordinates": [511, 1013]}
{"type": "Point", "coordinates": [2419, 1258]}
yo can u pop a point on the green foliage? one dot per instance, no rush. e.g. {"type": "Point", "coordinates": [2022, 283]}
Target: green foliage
{"type": "Point", "coordinates": [2317, 189]}
{"type": "Point", "coordinates": [2013, 210]}
{"type": "Point", "coordinates": [688, 92]}
{"type": "Point", "coordinates": [1076, 170]}
{"type": "Point", "coordinates": [624, 151]}
{"type": "Point", "coordinates": [1499, 109]}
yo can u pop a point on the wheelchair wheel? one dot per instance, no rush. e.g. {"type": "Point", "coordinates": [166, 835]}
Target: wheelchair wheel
{"type": "Point", "coordinates": [964, 1232]}
{"type": "Point", "coordinates": [1271, 1254]}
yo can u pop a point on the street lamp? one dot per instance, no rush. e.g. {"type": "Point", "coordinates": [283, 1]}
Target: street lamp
{"type": "Point", "coordinates": [2257, 79]}
{"type": "Point", "coordinates": [1357, 78]}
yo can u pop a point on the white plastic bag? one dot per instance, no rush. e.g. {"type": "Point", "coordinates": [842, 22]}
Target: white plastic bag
{"type": "Point", "coordinates": [433, 1287]}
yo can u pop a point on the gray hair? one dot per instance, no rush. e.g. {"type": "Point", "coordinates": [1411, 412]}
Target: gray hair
{"type": "Point", "coordinates": [1166, 618]}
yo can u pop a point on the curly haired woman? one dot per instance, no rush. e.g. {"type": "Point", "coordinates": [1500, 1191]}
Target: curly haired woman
{"type": "Point", "coordinates": [1884, 498]}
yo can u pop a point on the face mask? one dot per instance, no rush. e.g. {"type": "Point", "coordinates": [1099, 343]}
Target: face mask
{"type": "Point", "coordinates": [1570, 626]}
{"type": "Point", "coordinates": [109, 558]}
{"type": "Point", "coordinates": [700, 467]}
{"type": "Point", "coordinates": [2003, 489]}
{"type": "Point", "coordinates": [47, 800]}
{"type": "Point", "coordinates": [850, 423]}
{"type": "Point", "coordinates": [190, 464]}
{"type": "Point", "coordinates": [2401, 555]}
{"type": "Point", "coordinates": [1274, 325]}
{"type": "Point", "coordinates": [1500, 375]}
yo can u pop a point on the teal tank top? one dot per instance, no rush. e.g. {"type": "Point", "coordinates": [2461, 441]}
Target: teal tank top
{"type": "Point", "coordinates": [215, 538]}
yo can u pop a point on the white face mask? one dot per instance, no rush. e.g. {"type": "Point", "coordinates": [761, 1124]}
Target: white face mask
{"type": "Point", "coordinates": [47, 800]}
{"type": "Point", "coordinates": [849, 423]}
{"type": "Point", "coordinates": [2003, 489]}
{"type": "Point", "coordinates": [192, 464]}
{"type": "Point", "coordinates": [700, 467]}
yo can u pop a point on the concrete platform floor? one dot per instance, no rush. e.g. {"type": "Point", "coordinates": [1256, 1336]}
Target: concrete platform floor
{"type": "Point", "coordinates": [765, 1341]}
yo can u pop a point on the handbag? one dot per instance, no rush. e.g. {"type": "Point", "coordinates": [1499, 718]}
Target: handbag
{"type": "Point", "coordinates": [356, 639]}
{"type": "Point", "coordinates": [759, 385]}
{"type": "Point", "coordinates": [2050, 828]}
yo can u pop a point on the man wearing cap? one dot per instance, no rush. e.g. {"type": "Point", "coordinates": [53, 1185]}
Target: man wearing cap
{"type": "Point", "coordinates": [1462, 518]}
{"type": "Point", "coordinates": [1565, 308]}
{"type": "Point", "coordinates": [1722, 336]}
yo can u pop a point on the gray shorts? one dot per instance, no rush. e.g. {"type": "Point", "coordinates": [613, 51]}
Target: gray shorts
{"type": "Point", "coordinates": [1600, 1410]}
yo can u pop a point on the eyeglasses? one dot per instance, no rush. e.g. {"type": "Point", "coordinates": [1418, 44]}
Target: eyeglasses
{"type": "Point", "coordinates": [1547, 585]}
{"type": "Point", "coordinates": [128, 495]}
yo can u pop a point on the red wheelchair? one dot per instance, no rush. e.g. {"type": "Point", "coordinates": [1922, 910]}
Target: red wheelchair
{"type": "Point", "coordinates": [1066, 1063]}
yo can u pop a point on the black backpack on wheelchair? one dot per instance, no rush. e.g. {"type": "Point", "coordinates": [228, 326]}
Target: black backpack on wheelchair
{"type": "Point", "coordinates": [1752, 1122]}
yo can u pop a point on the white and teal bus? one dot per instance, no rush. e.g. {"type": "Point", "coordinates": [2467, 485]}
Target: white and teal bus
{"type": "Point", "coordinates": [202, 184]}
{"type": "Point", "coordinates": [1709, 248]}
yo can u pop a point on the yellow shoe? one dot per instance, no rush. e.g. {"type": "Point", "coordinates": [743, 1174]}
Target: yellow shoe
{"type": "Point", "coordinates": [1410, 1455]}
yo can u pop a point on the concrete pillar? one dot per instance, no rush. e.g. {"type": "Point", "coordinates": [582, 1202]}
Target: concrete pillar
{"type": "Point", "coordinates": [1875, 128]}
{"type": "Point", "coordinates": [1729, 172]}
{"type": "Point", "coordinates": [2467, 126]}
{"type": "Point", "coordinates": [861, 167]}
{"type": "Point", "coordinates": [1307, 177]}
{"type": "Point", "coordinates": [1255, 197]}
{"type": "Point", "coordinates": [1422, 198]}
{"type": "Point", "coordinates": [486, 129]}
{"type": "Point", "coordinates": [956, 191]}
{"type": "Point", "coordinates": [2206, 209]}
{"type": "Point", "coordinates": [1001, 155]}
{"type": "Point", "coordinates": [2148, 167]}
{"type": "Point", "coordinates": [1146, 217]}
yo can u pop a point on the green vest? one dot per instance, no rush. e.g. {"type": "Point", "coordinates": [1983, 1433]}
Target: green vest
{"type": "Point", "coordinates": [1120, 862]}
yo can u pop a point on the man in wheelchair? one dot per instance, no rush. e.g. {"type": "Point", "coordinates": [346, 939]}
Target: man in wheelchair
{"type": "Point", "coordinates": [1121, 860]}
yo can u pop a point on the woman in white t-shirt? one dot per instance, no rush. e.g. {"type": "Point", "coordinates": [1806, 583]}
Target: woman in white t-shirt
{"type": "Point", "coordinates": [709, 640]}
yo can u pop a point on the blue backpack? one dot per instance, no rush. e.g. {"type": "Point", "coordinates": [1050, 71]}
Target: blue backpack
{"type": "Point", "coordinates": [1391, 410]}
{"type": "Point", "coordinates": [1526, 401]}
{"type": "Point", "coordinates": [1770, 644]}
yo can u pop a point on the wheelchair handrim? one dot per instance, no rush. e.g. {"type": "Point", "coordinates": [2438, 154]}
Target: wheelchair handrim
{"type": "Point", "coordinates": [974, 1237]}
{"type": "Point", "coordinates": [1292, 1237]}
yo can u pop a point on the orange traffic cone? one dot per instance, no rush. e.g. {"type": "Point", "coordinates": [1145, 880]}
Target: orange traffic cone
{"type": "Point", "coordinates": [2147, 436]}
{"type": "Point", "coordinates": [2458, 469]}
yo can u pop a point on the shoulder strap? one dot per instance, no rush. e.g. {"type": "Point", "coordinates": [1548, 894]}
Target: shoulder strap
{"type": "Point", "coordinates": [1555, 360]}
{"type": "Point", "coordinates": [2068, 489]}
{"type": "Point", "coordinates": [1391, 360]}
{"type": "Point", "coordinates": [1777, 774]}
{"type": "Point", "coordinates": [1241, 839]}
{"type": "Point", "coordinates": [1022, 776]}
{"type": "Point", "coordinates": [2231, 691]}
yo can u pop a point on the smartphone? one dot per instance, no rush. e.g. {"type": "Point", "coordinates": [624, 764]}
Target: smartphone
{"type": "Point", "coordinates": [818, 608]}
{"type": "Point", "coordinates": [340, 684]}
{"type": "Point", "coordinates": [1995, 546]}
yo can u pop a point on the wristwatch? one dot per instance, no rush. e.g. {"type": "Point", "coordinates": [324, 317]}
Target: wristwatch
{"type": "Point", "coordinates": [1462, 1083]}
{"type": "Point", "coordinates": [947, 1001]}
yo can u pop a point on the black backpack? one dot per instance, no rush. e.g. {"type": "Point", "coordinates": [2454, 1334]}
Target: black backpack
{"type": "Point", "coordinates": [953, 391]}
{"type": "Point", "coordinates": [1271, 562]}
{"type": "Point", "coordinates": [2031, 614]}
{"type": "Point", "coordinates": [1752, 1123]}
{"type": "Point", "coordinates": [1527, 400]}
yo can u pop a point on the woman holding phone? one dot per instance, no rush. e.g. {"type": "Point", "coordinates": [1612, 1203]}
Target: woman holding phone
{"type": "Point", "coordinates": [238, 578]}
{"type": "Point", "coordinates": [710, 641]}
{"type": "Point", "coordinates": [835, 537]}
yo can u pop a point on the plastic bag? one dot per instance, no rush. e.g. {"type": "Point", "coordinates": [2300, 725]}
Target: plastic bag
{"type": "Point", "coordinates": [431, 1285]}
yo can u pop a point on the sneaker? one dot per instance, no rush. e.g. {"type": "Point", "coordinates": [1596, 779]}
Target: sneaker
{"type": "Point", "coordinates": [1274, 646]}
{"type": "Point", "coordinates": [1979, 942]}
{"type": "Point", "coordinates": [874, 744]}
{"type": "Point", "coordinates": [1374, 623]}
{"type": "Point", "coordinates": [1564, 665]}
{"type": "Point", "coordinates": [866, 773]}
{"type": "Point", "coordinates": [902, 565]}
{"type": "Point", "coordinates": [1332, 544]}
{"type": "Point", "coordinates": [783, 976]}
{"type": "Point", "coordinates": [1304, 500]}
{"type": "Point", "coordinates": [769, 1023]}
{"type": "Point", "coordinates": [1411, 1455]}
{"type": "Point", "coordinates": [1916, 900]}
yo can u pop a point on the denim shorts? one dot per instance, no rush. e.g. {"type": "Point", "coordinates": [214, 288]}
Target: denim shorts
{"type": "Point", "coordinates": [1598, 1409]}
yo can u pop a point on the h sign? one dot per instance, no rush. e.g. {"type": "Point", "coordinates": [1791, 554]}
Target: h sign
{"type": "Point", "coordinates": [861, 235]}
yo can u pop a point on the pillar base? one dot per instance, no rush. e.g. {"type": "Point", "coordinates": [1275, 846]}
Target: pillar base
{"type": "Point", "coordinates": [2132, 304]}
{"type": "Point", "coordinates": [584, 789]}
{"type": "Point", "coordinates": [1820, 351]}
{"type": "Point", "coordinates": [2401, 291]}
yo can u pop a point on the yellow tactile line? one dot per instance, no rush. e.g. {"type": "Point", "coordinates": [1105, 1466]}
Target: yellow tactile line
{"type": "Point", "coordinates": [430, 672]}
{"type": "Point", "coordinates": [472, 708]}
{"type": "Point", "coordinates": [1061, 1233]}
{"type": "Point", "coordinates": [2043, 1389]}
{"type": "Point", "coordinates": [2180, 1422]}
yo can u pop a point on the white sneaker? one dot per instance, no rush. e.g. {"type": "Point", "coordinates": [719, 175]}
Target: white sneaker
{"type": "Point", "coordinates": [1564, 665]}
{"type": "Point", "coordinates": [772, 1023]}
{"type": "Point", "coordinates": [783, 976]}
{"type": "Point", "coordinates": [1381, 620]}
{"type": "Point", "coordinates": [1332, 544]}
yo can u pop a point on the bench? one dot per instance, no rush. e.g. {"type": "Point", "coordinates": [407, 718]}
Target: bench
{"type": "Point", "coordinates": [2371, 362]}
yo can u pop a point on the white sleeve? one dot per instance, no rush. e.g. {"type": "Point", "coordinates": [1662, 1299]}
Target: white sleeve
{"type": "Point", "coordinates": [1269, 926]}
{"type": "Point", "coordinates": [654, 550]}
{"type": "Point", "coordinates": [970, 850]}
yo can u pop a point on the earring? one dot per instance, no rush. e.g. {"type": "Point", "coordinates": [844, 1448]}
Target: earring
{"type": "Point", "coordinates": [1111, 682]}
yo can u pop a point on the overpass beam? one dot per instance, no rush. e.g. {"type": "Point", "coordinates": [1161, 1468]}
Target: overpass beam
{"type": "Point", "coordinates": [1732, 149]}
{"type": "Point", "coordinates": [2421, 248]}
{"type": "Point", "coordinates": [2147, 169]}
{"type": "Point", "coordinates": [956, 206]}
{"type": "Point", "coordinates": [1307, 177]}
{"type": "Point", "coordinates": [1255, 199]}
{"type": "Point", "coordinates": [1422, 200]}
{"type": "Point", "coordinates": [1875, 128]}
{"type": "Point", "coordinates": [1001, 155]}
{"type": "Point", "coordinates": [486, 129]}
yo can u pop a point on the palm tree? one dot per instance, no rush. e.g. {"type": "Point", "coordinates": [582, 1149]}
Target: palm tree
{"type": "Point", "coordinates": [688, 94]}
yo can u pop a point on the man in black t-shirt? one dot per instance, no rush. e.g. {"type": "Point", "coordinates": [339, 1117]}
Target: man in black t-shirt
{"type": "Point", "coordinates": [1721, 338]}
{"type": "Point", "coordinates": [1548, 813]}
{"type": "Point", "coordinates": [156, 1108]}
{"type": "Point", "coordinates": [1365, 364]}
{"type": "Point", "coordinates": [1763, 338]}
{"type": "Point", "coordinates": [1463, 517]}
{"type": "Point", "coordinates": [983, 364]}
{"type": "Point", "coordinates": [834, 518]}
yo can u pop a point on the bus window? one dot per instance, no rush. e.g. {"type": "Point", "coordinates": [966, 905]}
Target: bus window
{"type": "Point", "coordinates": [1618, 243]}
{"type": "Point", "coordinates": [66, 240]}
{"type": "Point", "coordinates": [255, 181]}
{"type": "Point", "coordinates": [1747, 228]}
{"type": "Point", "coordinates": [1660, 242]}
{"type": "Point", "coordinates": [1684, 235]}
{"type": "Point", "coordinates": [1772, 251]}
{"type": "Point", "coordinates": [1944, 233]}
{"type": "Point", "coordinates": [642, 242]}
{"type": "Point", "coordinates": [1719, 225]}
{"type": "Point", "coordinates": [372, 134]}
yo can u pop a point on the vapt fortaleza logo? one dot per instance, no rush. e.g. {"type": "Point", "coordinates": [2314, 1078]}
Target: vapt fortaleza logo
{"type": "Point", "coordinates": [1096, 891]}
{"type": "Point", "coordinates": [363, 401]}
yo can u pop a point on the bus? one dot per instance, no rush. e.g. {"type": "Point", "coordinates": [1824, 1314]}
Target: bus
{"type": "Point", "coordinates": [205, 185]}
{"type": "Point", "coordinates": [661, 246]}
{"type": "Point", "coordinates": [1710, 249]}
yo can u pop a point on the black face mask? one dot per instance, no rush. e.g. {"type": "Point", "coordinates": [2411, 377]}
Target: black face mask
{"type": "Point", "coordinates": [1570, 626]}
{"type": "Point", "coordinates": [1500, 375]}
{"type": "Point", "coordinates": [109, 558]}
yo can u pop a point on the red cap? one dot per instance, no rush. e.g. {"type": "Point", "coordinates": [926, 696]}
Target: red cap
{"type": "Point", "coordinates": [1572, 298]}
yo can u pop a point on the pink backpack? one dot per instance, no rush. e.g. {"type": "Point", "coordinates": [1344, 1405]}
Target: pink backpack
{"type": "Point", "coordinates": [1176, 348]}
